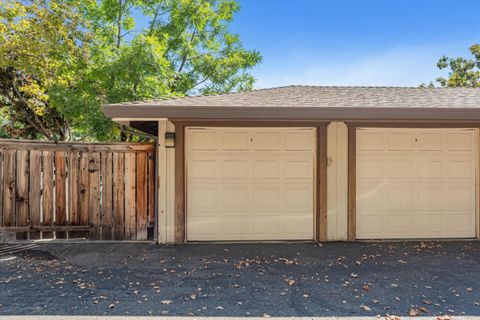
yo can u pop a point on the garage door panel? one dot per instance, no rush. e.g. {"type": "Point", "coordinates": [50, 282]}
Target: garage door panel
{"type": "Point", "coordinates": [203, 169]}
{"type": "Point", "coordinates": [431, 168]}
{"type": "Point", "coordinates": [460, 141]}
{"type": "Point", "coordinates": [235, 169]}
{"type": "Point", "coordinates": [298, 197]}
{"type": "Point", "coordinates": [235, 198]}
{"type": "Point", "coordinates": [297, 225]}
{"type": "Point", "coordinates": [461, 169]}
{"type": "Point", "coordinates": [235, 226]}
{"type": "Point", "coordinates": [430, 197]}
{"type": "Point", "coordinates": [374, 225]}
{"type": "Point", "coordinates": [460, 198]}
{"type": "Point", "coordinates": [256, 184]}
{"type": "Point", "coordinates": [430, 141]}
{"type": "Point", "coordinates": [371, 168]}
{"type": "Point", "coordinates": [267, 141]}
{"type": "Point", "coordinates": [372, 196]}
{"type": "Point", "coordinates": [433, 223]}
{"type": "Point", "coordinates": [428, 189]}
{"type": "Point", "coordinates": [400, 141]}
{"type": "Point", "coordinates": [202, 140]}
{"type": "Point", "coordinates": [401, 223]}
{"type": "Point", "coordinates": [267, 169]}
{"type": "Point", "coordinates": [370, 141]}
{"type": "Point", "coordinates": [267, 197]}
{"type": "Point", "coordinates": [399, 168]}
{"type": "Point", "coordinates": [461, 224]}
{"type": "Point", "coordinates": [203, 227]}
{"type": "Point", "coordinates": [203, 197]}
{"type": "Point", "coordinates": [299, 141]}
{"type": "Point", "coordinates": [237, 140]}
{"type": "Point", "coordinates": [298, 169]}
{"type": "Point", "coordinates": [401, 198]}
{"type": "Point", "coordinates": [268, 225]}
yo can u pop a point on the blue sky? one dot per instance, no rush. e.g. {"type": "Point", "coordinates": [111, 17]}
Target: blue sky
{"type": "Point", "coordinates": [355, 42]}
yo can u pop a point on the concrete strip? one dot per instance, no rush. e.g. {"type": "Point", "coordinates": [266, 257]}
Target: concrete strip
{"type": "Point", "coordinates": [226, 318]}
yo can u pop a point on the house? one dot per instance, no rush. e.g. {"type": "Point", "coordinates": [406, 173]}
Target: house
{"type": "Point", "coordinates": [315, 163]}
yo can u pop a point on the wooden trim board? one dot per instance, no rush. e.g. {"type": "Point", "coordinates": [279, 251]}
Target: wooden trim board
{"type": "Point", "coordinates": [180, 213]}
{"type": "Point", "coordinates": [321, 192]}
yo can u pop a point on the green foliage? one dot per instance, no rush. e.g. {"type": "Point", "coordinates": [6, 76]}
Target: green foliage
{"type": "Point", "coordinates": [42, 45]}
{"type": "Point", "coordinates": [463, 72]}
{"type": "Point", "coordinates": [86, 53]}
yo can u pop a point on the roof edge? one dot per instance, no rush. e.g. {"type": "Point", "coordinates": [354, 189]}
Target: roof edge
{"type": "Point", "coordinates": [290, 113]}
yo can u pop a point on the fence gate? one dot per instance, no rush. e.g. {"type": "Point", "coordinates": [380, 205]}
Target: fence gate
{"type": "Point", "coordinates": [76, 190]}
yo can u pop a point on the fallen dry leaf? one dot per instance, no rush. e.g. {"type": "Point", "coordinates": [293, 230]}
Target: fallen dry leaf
{"type": "Point", "coordinates": [366, 287]}
{"type": "Point", "coordinates": [290, 282]}
{"type": "Point", "coordinates": [366, 308]}
{"type": "Point", "coordinates": [423, 309]}
{"type": "Point", "coordinates": [413, 312]}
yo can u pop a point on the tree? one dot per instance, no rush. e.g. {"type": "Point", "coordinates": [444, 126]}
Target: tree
{"type": "Point", "coordinates": [42, 43]}
{"type": "Point", "coordinates": [463, 72]}
{"type": "Point", "coordinates": [184, 47]}
{"type": "Point", "coordinates": [126, 50]}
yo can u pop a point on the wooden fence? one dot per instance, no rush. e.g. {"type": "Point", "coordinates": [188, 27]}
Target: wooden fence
{"type": "Point", "coordinates": [77, 190]}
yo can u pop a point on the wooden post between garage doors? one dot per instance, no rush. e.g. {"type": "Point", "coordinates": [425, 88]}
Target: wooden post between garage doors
{"type": "Point", "coordinates": [321, 192]}
{"type": "Point", "coordinates": [179, 183]}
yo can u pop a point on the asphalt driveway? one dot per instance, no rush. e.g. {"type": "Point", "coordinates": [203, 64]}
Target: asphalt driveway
{"type": "Point", "coordinates": [334, 279]}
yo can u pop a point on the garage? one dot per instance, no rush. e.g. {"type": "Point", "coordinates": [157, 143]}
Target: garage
{"type": "Point", "coordinates": [415, 183]}
{"type": "Point", "coordinates": [314, 163]}
{"type": "Point", "coordinates": [249, 183]}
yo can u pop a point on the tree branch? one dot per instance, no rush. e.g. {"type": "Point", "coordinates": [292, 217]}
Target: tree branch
{"type": "Point", "coordinates": [134, 132]}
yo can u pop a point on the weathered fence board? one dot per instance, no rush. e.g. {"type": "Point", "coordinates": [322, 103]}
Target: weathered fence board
{"type": "Point", "coordinates": [118, 195]}
{"type": "Point", "coordinates": [73, 183]}
{"type": "Point", "coordinates": [70, 190]}
{"type": "Point", "coordinates": [47, 191]}
{"type": "Point", "coordinates": [84, 193]}
{"type": "Point", "coordinates": [130, 204]}
{"type": "Point", "coordinates": [9, 189]}
{"type": "Point", "coordinates": [142, 196]}
{"type": "Point", "coordinates": [34, 197]}
{"type": "Point", "coordinates": [94, 191]}
{"type": "Point", "coordinates": [107, 185]}
{"type": "Point", "coordinates": [60, 189]}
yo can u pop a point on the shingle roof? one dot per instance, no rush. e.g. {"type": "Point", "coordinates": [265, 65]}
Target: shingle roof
{"type": "Point", "coordinates": [318, 96]}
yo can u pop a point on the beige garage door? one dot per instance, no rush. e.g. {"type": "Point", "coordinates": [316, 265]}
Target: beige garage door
{"type": "Point", "coordinates": [416, 183]}
{"type": "Point", "coordinates": [250, 183]}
